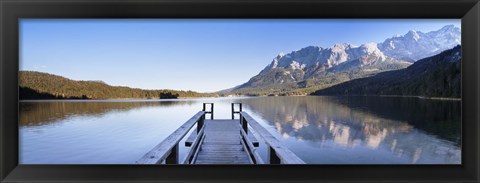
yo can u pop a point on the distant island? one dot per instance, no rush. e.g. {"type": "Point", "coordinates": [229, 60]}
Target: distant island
{"type": "Point", "coordinates": [39, 85]}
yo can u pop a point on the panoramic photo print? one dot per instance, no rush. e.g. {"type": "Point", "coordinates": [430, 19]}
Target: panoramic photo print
{"type": "Point", "coordinates": [240, 91]}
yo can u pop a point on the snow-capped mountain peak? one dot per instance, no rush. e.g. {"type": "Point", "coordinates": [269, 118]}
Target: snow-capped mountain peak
{"type": "Point", "coordinates": [342, 46]}
{"type": "Point", "coordinates": [447, 28]}
{"type": "Point", "coordinates": [412, 46]}
{"type": "Point", "coordinates": [416, 45]}
{"type": "Point", "coordinates": [344, 61]}
{"type": "Point", "coordinates": [412, 34]}
{"type": "Point", "coordinates": [370, 48]}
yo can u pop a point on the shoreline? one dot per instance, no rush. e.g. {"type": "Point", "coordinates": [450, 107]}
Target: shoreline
{"type": "Point", "coordinates": [122, 99]}
{"type": "Point", "coordinates": [422, 97]}
{"type": "Point", "coordinates": [173, 99]}
{"type": "Point", "coordinates": [400, 96]}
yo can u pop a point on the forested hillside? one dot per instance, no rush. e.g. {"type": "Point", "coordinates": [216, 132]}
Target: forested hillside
{"type": "Point", "coordinates": [38, 85]}
{"type": "Point", "coordinates": [436, 76]}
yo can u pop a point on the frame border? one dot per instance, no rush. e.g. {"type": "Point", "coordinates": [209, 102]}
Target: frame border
{"type": "Point", "coordinates": [12, 10]}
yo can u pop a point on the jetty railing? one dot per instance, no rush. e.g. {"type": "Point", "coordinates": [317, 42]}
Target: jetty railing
{"type": "Point", "coordinates": [236, 112]}
{"type": "Point", "coordinates": [211, 109]}
{"type": "Point", "coordinates": [278, 154]}
{"type": "Point", "coordinates": [167, 151]}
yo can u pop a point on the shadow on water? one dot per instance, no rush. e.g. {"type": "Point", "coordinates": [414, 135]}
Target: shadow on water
{"type": "Point", "coordinates": [41, 113]}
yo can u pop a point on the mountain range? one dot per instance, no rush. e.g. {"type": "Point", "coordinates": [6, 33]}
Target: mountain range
{"type": "Point", "coordinates": [313, 68]}
{"type": "Point", "coordinates": [435, 76]}
{"type": "Point", "coordinates": [416, 64]}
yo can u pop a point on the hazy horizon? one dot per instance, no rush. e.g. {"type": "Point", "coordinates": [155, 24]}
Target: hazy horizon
{"type": "Point", "coordinates": [198, 55]}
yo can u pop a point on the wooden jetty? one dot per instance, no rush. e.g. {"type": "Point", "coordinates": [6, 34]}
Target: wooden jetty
{"type": "Point", "coordinates": [220, 141]}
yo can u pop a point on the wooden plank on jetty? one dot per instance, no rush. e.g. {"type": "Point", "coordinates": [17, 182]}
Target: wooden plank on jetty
{"type": "Point", "coordinates": [222, 144]}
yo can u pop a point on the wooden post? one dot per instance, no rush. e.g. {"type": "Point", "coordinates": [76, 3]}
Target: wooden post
{"type": "Point", "coordinates": [211, 109]}
{"type": "Point", "coordinates": [200, 123]}
{"type": "Point", "coordinates": [274, 159]}
{"type": "Point", "coordinates": [233, 111]}
{"type": "Point", "coordinates": [172, 158]}
{"type": "Point", "coordinates": [244, 124]}
{"type": "Point", "coordinates": [211, 117]}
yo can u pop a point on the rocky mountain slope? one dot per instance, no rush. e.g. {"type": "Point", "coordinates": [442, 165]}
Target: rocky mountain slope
{"type": "Point", "coordinates": [436, 76]}
{"type": "Point", "coordinates": [312, 68]}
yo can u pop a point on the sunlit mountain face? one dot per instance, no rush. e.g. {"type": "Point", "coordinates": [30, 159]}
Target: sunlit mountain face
{"type": "Point", "coordinates": [416, 45]}
{"type": "Point", "coordinates": [436, 76]}
{"type": "Point", "coordinates": [322, 67]}
{"type": "Point", "coordinates": [391, 124]}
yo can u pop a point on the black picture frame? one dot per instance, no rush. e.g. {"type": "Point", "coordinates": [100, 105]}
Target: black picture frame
{"type": "Point", "coordinates": [12, 10]}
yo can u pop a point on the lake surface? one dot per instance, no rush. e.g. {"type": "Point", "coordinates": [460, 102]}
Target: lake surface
{"type": "Point", "coordinates": [319, 129]}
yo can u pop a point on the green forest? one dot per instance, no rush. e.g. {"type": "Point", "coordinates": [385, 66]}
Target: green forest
{"type": "Point", "coordinates": [38, 85]}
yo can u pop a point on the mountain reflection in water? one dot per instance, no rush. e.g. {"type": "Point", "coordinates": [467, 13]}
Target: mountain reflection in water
{"type": "Point", "coordinates": [406, 127]}
{"type": "Point", "coordinates": [320, 130]}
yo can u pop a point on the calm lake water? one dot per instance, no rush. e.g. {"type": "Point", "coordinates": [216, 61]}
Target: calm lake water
{"type": "Point", "coordinates": [320, 130]}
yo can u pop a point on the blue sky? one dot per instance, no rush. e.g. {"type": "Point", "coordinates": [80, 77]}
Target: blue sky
{"type": "Point", "coordinates": [187, 54]}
